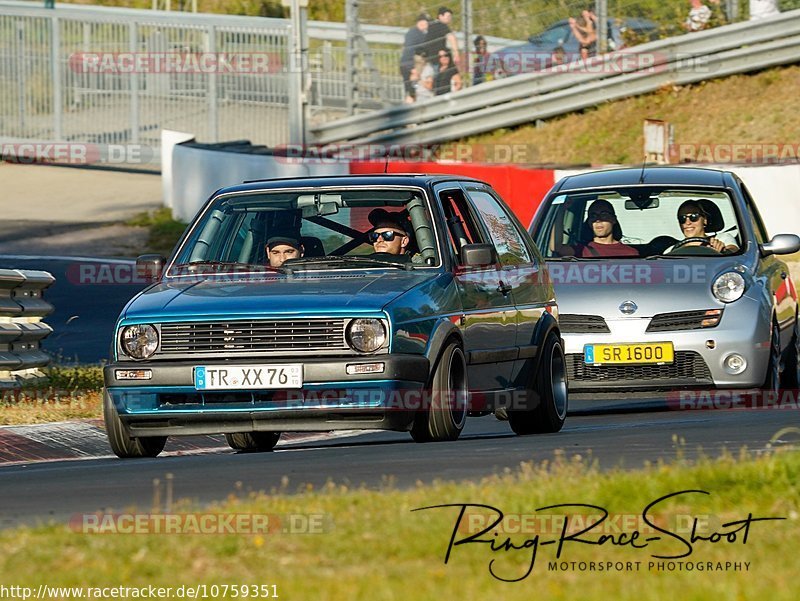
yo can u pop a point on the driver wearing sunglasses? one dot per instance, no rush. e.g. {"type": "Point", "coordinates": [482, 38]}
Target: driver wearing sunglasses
{"type": "Point", "coordinates": [388, 236]}
{"type": "Point", "coordinates": [693, 221]}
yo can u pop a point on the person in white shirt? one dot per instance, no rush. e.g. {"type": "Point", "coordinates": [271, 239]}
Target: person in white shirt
{"type": "Point", "coordinates": [762, 9]}
{"type": "Point", "coordinates": [699, 16]}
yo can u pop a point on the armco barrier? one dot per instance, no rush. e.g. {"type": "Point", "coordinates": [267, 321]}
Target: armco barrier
{"type": "Point", "coordinates": [21, 328]}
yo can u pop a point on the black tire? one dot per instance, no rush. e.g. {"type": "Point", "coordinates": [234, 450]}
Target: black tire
{"type": "Point", "coordinates": [772, 379]}
{"type": "Point", "coordinates": [253, 441]}
{"type": "Point", "coordinates": [550, 411]}
{"type": "Point", "coordinates": [122, 443]}
{"type": "Point", "coordinates": [790, 377]}
{"type": "Point", "coordinates": [444, 419]}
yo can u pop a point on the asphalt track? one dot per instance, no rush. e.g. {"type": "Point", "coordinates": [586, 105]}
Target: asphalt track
{"type": "Point", "coordinates": [59, 491]}
{"type": "Point", "coordinates": [615, 432]}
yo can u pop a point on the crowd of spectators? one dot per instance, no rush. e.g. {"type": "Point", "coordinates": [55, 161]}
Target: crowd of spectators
{"type": "Point", "coordinates": [431, 64]}
{"type": "Point", "coordinates": [430, 58]}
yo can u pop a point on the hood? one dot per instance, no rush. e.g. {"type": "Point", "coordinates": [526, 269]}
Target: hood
{"type": "Point", "coordinates": [655, 286]}
{"type": "Point", "coordinates": [300, 294]}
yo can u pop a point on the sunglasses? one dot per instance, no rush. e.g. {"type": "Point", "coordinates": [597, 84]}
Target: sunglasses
{"type": "Point", "coordinates": [601, 216]}
{"type": "Point", "coordinates": [693, 217]}
{"type": "Point", "coordinates": [387, 236]}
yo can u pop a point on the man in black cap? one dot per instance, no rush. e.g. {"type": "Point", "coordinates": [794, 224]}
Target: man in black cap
{"type": "Point", "coordinates": [283, 248]}
{"type": "Point", "coordinates": [388, 235]}
{"type": "Point", "coordinates": [440, 37]}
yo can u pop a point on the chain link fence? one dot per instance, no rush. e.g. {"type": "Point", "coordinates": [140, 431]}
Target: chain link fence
{"type": "Point", "coordinates": [50, 88]}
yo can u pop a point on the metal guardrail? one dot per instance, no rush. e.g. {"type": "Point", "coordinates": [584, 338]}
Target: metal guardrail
{"type": "Point", "coordinates": [21, 328]}
{"type": "Point", "coordinates": [689, 58]}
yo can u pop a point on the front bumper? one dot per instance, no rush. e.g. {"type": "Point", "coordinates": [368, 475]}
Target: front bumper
{"type": "Point", "coordinates": [330, 399]}
{"type": "Point", "coordinates": [696, 365]}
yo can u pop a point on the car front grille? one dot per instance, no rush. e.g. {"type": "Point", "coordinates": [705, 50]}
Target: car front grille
{"type": "Point", "coordinates": [683, 320]}
{"type": "Point", "coordinates": [689, 368]}
{"type": "Point", "coordinates": [582, 324]}
{"type": "Point", "coordinates": [248, 337]}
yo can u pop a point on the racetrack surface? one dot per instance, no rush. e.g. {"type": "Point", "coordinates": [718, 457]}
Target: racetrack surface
{"type": "Point", "coordinates": [59, 491]}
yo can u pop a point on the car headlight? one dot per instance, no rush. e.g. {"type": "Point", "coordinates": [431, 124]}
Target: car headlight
{"type": "Point", "coordinates": [728, 287]}
{"type": "Point", "coordinates": [139, 341]}
{"type": "Point", "coordinates": [366, 335]}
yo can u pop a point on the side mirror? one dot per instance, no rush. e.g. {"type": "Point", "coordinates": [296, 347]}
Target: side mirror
{"type": "Point", "coordinates": [781, 244]}
{"type": "Point", "coordinates": [477, 255]}
{"type": "Point", "coordinates": [150, 267]}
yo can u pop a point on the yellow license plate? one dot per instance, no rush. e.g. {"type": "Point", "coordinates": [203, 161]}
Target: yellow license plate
{"type": "Point", "coordinates": [658, 353]}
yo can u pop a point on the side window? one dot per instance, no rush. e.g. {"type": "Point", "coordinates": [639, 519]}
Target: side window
{"type": "Point", "coordinates": [755, 217]}
{"type": "Point", "coordinates": [461, 227]}
{"type": "Point", "coordinates": [505, 235]}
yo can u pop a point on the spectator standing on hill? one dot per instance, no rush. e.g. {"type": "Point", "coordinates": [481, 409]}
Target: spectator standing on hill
{"type": "Point", "coordinates": [415, 43]}
{"type": "Point", "coordinates": [479, 70]}
{"type": "Point", "coordinates": [698, 18]}
{"type": "Point", "coordinates": [585, 32]}
{"type": "Point", "coordinates": [762, 9]}
{"type": "Point", "coordinates": [440, 36]}
{"type": "Point", "coordinates": [447, 70]}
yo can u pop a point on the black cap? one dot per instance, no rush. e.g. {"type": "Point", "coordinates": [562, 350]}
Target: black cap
{"type": "Point", "coordinates": [380, 218]}
{"type": "Point", "coordinates": [443, 10]}
{"type": "Point", "coordinates": [285, 240]}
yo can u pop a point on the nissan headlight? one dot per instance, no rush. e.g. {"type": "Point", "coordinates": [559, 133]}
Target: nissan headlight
{"type": "Point", "coordinates": [139, 341]}
{"type": "Point", "coordinates": [728, 287]}
{"type": "Point", "coordinates": [366, 335]}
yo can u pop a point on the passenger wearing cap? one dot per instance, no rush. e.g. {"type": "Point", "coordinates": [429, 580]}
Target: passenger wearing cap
{"type": "Point", "coordinates": [604, 231]}
{"type": "Point", "coordinates": [388, 235]}
{"type": "Point", "coordinates": [283, 248]}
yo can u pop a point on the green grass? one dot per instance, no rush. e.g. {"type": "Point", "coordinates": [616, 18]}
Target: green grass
{"type": "Point", "coordinates": [67, 393]}
{"type": "Point", "coordinates": [613, 132]}
{"type": "Point", "coordinates": [164, 230]}
{"type": "Point", "coordinates": [373, 546]}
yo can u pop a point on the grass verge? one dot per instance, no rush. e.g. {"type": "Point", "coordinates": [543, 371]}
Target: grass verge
{"type": "Point", "coordinates": [68, 393]}
{"type": "Point", "coordinates": [164, 230]}
{"type": "Point", "coordinates": [371, 545]}
{"type": "Point", "coordinates": [743, 108]}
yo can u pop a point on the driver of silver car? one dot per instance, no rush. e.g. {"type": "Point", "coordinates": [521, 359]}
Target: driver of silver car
{"type": "Point", "coordinates": [693, 220]}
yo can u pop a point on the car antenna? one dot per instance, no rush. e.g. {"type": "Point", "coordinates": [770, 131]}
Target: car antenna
{"type": "Point", "coordinates": [644, 164]}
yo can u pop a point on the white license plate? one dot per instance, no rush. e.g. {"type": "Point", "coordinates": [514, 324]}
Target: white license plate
{"type": "Point", "coordinates": [248, 377]}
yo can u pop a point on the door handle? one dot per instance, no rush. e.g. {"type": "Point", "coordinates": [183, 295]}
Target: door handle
{"type": "Point", "coordinates": [503, 288]}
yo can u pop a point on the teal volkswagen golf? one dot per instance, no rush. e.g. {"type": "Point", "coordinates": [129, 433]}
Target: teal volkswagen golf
{"type": "Point", "coordinates": [398, 302]}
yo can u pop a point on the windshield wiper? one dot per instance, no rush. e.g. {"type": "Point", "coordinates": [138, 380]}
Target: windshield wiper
{"type": "Point", "coordinates": [195, 265]}
{"type": "Point", "coordinates": [346, 259]}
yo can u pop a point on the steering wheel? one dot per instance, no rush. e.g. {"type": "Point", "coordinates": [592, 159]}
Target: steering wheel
{"type": "Point", "coordinates": [704, 242]}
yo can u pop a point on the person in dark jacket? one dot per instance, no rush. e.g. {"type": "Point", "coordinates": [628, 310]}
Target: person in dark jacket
{"type": "Point", "coordinates": [415, 43]}
{"type": "Point", "coordinates": [440, 37]}
{"type": "Point", "coordinates": [447, 69]}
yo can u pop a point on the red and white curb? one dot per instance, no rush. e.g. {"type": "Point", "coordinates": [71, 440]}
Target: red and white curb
{"type": "Point", "coordinates": [86, 439]}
